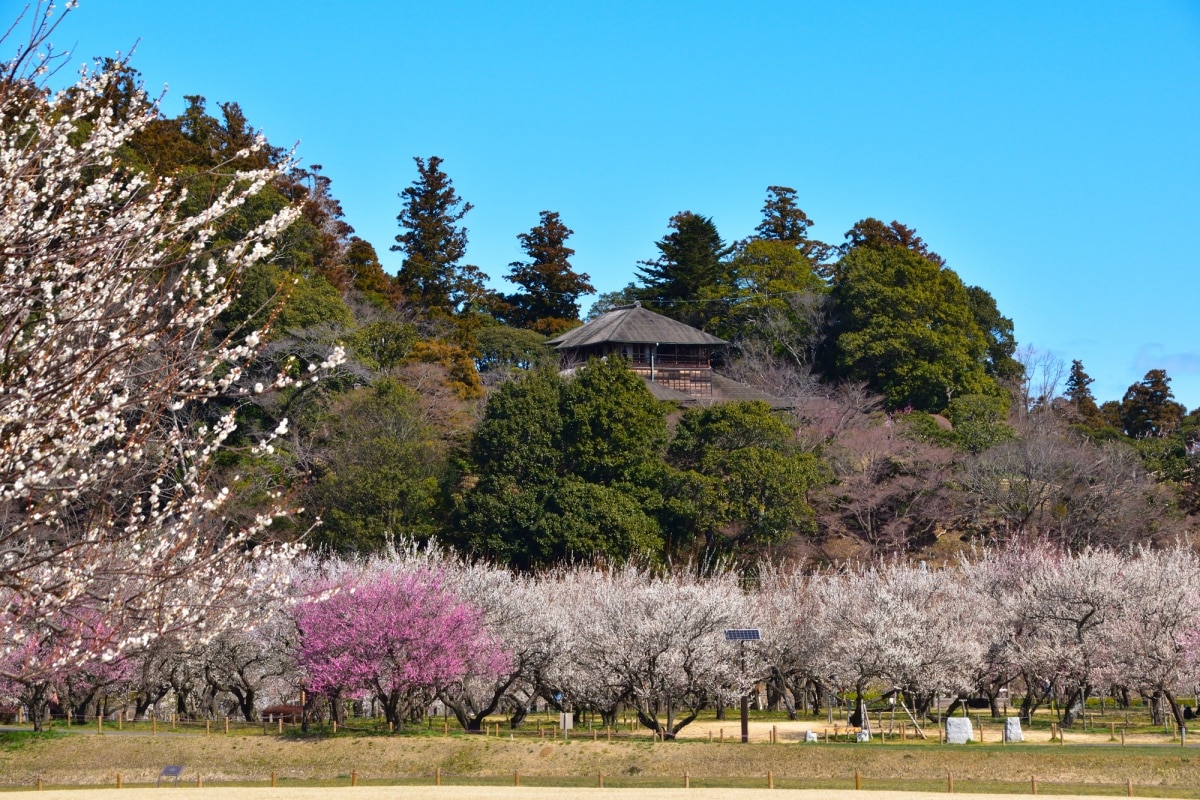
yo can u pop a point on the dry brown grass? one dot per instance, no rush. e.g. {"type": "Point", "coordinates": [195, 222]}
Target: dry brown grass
{"type": "Point", "coordinates": [96, 760]}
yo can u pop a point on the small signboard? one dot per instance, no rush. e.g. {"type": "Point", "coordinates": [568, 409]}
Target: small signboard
{"type": "Point", "coordinates": [567, 721]}
{"type": "Point", "coordinates": [170, 771]}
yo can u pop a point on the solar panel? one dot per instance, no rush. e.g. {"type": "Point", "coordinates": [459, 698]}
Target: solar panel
{"type": "Point", "coordinates": [743, 635]}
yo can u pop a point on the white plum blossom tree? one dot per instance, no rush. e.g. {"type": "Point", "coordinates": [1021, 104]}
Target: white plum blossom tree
{"type": "Point", "coordinates": [658, 640]}
{"type": "Point", "coordinates": [108, 295]}
{"type": "Point", "coordinates": [1159, 605]}
{"type": "Point", "coordinates": [520, 613]}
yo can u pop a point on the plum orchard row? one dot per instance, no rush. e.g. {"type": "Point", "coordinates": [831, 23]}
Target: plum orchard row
{"type": "Point", "coordinates": [405, 631]}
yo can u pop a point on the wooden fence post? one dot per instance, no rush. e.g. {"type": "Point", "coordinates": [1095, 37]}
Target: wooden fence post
{"type": "Point", "coordinates": [120, 782]}
{"type": "Point", "coordinates": [199, 781]}
{"type": "Point", "coordinates": [600, 780]}
{"type": "Point", "coordinates": [154, 726]}
{"type": "Point", "coordinates": [1129, 787]}
{"type": "Point", "coordinates": [354, 777]}
{"type": "Point", "coordinates": [274, 779]}
{"type": "Point", "coordinates": [1033, 784]}
{"type": "Point", "coordinates": [949, 782]}
{"type": "Point", "coordinates": [437, 776]}
{"type": "Point", "coordinates": [770, 780]}
{"type": "Point", "coordinates": [857, 781]}
{"type": "Point", "coordinates": [226, 725]}
{"type": "Point", "coordinates": [687, 780]}
{"type": "Point", "coordinates": [517, 778]}
{"type": "Point", "coordinates": [208, 727]}
{"type": "Point", "coordinates": [39, 783]}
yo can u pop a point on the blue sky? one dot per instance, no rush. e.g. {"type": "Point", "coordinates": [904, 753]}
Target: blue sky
{"type": "Point", "coordinates": [1050, 151]}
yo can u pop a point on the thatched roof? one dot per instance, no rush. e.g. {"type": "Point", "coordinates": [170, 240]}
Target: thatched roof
{"type": "Point", "coordinates": [633, 325]}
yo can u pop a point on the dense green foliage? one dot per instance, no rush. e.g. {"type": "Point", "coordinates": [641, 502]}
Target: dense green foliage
{"type": "Point", "coordinates": [556, 465]}
{"type": "Point", "coordinates": [905, 326]}
{"type": "Point", "coordinates": [910, 414]}
{"type": "Point", "coordinates": [740, 474]}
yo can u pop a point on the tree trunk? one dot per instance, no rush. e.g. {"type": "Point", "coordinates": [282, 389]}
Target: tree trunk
{"type": "Point", "coordinates": [1157, 717]}
{"type": "Point", "coordinates": [1074, 705]}
{"type": "Point", "coordinates": [1176, 710]}
{"type": "Point", "coordinates": [37, 704]}
{"type": "Point", "coordinates": [520, 711]}
{"type": "Point", "coordinates": [336, 712]}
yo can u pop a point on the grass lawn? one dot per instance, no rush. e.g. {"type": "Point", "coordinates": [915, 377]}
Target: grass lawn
{"type": "Point", "coordinates": [1087, 764]}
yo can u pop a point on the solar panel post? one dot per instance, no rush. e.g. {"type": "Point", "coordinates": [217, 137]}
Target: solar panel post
{"type": "Point", "coordinates": [741, 636]}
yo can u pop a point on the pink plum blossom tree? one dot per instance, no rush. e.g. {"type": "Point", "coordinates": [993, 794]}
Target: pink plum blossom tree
{"type": "Point", "coordinates": [397, 636]}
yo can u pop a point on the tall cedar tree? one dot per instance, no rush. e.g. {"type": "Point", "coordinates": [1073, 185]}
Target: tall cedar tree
{"type": "Point", "coordinates": [784, 221]}
{"type": "Point", "coordinates": [550, 301]}
{"type": "Point", "coordinates": [1079, 395]}
{"type": "Point", "coordinates": [690, 273]}
{"type": "Point", "coordinates": [433, 244]}
{"type": "Point", "coordinates": [1149, 408]}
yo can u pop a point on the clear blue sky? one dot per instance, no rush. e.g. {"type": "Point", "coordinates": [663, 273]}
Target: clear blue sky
{"type": "Point", "coordinates": [1050, 151]}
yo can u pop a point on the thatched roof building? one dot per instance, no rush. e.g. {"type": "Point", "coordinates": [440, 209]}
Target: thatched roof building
{"type": "Point", "coordinates": [675, 359]}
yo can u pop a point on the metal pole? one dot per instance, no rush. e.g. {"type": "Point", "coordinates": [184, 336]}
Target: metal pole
{"type": "Point", "coordinates": [745, 701]}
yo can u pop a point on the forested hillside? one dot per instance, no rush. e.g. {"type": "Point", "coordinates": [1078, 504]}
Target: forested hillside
{"type": "Point", "coordinates": [917, 423]}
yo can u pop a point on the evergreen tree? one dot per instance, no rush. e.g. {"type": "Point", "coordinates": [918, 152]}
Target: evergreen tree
{"type": "Point", "coordinates": [784, 221]}
{"type": "Point", "coordinates": [998, 330]}
{"type": "Point", "coordinates": [1149, 408]}
{"type": "Point", "coordinates": [871, 232]}
{"type": "Point", "coordinates": [433, 243]}
{"type": "Point", "coordinates": [690, 276]}
{"type": "Point", "coordinates": [614, 431]}
{"type": "Point", "coordinates": [564, 469]}
{"type": "Point", "coordinates": [738, 477]}
{"type": "Point", "coordinates": [550, 301]}
{"type": "Point", "coordinates": [906, 327]}
{"type": "Point", "coordinates": [1079, 395]}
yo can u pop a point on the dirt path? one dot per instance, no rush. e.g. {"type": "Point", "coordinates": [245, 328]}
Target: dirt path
{"type": "Point", "coordinates": [495, 793]}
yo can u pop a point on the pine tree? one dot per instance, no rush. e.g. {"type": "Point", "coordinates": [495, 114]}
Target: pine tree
{"type": "Point", "coordinates": [550, 301]}
{"type": "Point", "coordinates": [690, 272]}
{"type": "Point", "coordinates": [434, 244]}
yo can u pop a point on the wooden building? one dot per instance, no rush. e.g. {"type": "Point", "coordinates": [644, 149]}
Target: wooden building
{"type": "Point", "coordinates": [675, 359]}
{"type": "Point", "coordinates": [660, 349]}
